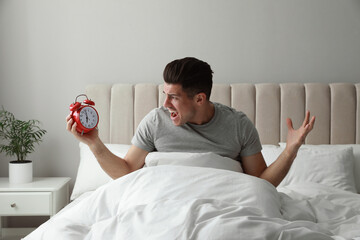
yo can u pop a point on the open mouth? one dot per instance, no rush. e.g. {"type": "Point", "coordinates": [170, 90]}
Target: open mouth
{"type": "Point", "coordinates": [173, 114]}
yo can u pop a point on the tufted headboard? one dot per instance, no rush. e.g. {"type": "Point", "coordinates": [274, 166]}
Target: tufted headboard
{"type": "Point", "coordinates": [336, 107]}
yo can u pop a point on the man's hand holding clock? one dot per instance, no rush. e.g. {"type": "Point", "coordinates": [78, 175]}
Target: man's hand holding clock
{"type": "Point", "coordinates": [83, 121]}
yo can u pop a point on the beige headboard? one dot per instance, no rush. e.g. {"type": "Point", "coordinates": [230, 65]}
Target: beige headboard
{"type": "Point", "coordinates": [336, 107]}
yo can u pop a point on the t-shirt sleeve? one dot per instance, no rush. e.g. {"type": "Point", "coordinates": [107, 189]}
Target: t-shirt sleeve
{"type": "Point", "coordinates": [144, 135]}
{"type": "Point", "coordinates": [250, 138]}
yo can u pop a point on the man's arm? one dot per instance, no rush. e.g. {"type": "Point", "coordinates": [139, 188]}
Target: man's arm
{"type": "Point", "coordinates": [275, 173]}
{"type": "Point", "coordinates": [113, 165]}
{"type": "Point", "coordinates": [255, 165]}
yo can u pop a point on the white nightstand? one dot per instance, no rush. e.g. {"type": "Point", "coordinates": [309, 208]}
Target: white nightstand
{"type": "Point", "coordinates": [42, 197]}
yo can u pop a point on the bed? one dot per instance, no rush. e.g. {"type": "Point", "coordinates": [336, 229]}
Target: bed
{"type": "Point", "coordinates": [204, 196]}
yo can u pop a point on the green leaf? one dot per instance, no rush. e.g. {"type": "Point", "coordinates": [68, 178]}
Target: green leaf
{"type": "Point", "coordinates": [19, 137]}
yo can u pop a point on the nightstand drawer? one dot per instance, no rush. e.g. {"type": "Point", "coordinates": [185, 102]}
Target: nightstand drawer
{"type": "Point", "coordinates": [25, 203]}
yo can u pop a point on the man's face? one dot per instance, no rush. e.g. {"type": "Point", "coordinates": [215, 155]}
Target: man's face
{"type": "Point", "coordinates": [182, 108]}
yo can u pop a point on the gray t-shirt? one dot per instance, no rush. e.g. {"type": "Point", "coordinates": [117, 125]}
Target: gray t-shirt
{"type": "Point", "coordinates": [229, 133]}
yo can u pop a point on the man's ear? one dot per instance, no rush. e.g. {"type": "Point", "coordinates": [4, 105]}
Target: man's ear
{"type": "Point", "coordinates": [200, 98]}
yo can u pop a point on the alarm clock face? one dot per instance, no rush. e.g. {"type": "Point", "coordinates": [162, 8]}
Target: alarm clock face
{"type": "Point", "coordinates": [88, 117]}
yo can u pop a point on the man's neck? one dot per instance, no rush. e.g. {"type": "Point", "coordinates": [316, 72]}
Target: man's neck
{"type": "Point", "coordinates": [205, 114]}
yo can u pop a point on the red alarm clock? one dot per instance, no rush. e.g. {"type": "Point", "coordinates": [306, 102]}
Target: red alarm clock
{"type": "Point", "coordinates": [84, 114]}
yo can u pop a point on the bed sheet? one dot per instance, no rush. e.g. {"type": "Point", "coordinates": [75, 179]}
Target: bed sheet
{"type": "Point", "coordinates": [186, 202]}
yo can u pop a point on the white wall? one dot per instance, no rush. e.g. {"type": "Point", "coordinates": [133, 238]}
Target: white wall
{"type": "Point", "coordinates": [50, 50]}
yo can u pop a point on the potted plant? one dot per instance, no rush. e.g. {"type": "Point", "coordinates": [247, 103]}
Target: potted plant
{"type": "Point", "coordinates": [18, 138]}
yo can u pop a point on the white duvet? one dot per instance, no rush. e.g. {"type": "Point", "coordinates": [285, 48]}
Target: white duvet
{"type": "Point", "coordinates": [186, 202]}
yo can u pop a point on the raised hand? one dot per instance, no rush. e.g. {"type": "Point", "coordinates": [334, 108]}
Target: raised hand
{"type": "Point", "coordinates": [295, 138]}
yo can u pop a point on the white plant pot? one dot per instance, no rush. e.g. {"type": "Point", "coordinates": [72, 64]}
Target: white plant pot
{"type": "Point", "coordinates": [20, 172]}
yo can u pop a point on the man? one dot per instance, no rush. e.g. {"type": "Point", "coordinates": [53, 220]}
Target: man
{"type": "Point", "coordinates": [190, 122]}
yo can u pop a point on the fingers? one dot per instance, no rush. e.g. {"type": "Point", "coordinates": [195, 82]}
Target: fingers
{"type": "Point", "coordinates": [69, 122]}
{"type": "Point", "coordinates": [310, 125]}
{"type": "Point", "coordinates": [306, 126]}
{"type": "Point", "coordinates": [71, 125]}
{"type": "Point", "coordinates": [312, 121]}
{"type": "Point", "coordinates": [289, 124]}
{"type": "Point", "coordinates": [68, 117]}
{"type": "Point", "coordinates": [73, 128]}
{"type": "Point", "coordinates": [307, 117]}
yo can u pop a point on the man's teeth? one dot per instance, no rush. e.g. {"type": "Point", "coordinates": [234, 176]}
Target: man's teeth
{"type": "Point", "coordinates": [173, 114]}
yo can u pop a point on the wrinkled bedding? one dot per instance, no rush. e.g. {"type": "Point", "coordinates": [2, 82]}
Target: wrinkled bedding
{"type": "Point", "coordinates": [187, 202]}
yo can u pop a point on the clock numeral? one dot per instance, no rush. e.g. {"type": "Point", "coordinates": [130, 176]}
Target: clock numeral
{"type": "Point", "coordinates": [88, 117]}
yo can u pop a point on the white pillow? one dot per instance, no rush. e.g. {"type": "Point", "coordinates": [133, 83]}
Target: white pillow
{"type": "Point", "coordinates": [90, 175]}
{"type": "Point", "coordinates": [331, 165]}
{"type": "Point", "coordinates": [356, 153]}
{"type": "Point", "coordinates": [210, 160]}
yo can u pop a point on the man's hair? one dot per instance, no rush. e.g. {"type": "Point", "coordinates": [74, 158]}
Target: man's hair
{"type": "Point", "coordinates": [194, 76]}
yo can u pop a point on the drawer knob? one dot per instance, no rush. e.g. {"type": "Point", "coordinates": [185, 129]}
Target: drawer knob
{"type": "Point", "coordinates": [13, 205]}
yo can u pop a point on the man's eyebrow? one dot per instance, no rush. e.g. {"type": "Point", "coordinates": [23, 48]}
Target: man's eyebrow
{"type": "Point", "coordinates": [171, 94]}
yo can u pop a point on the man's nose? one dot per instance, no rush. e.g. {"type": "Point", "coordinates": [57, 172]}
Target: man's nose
{"type": "Point", "coordinates": [166, 102]}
